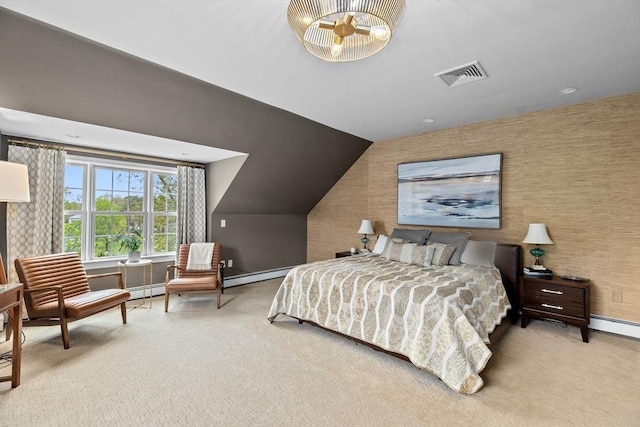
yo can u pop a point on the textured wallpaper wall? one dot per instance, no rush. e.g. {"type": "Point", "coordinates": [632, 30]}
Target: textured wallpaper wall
{"type": "Point", "coordinates": [572, 168]}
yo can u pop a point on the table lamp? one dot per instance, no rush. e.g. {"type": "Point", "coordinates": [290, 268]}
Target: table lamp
{"type": "Point", "coordinates": [537, 235]}
{"type": "Point", "coordinates": [365, 228]}
{"type": "Point", "coordinates": [18, 175]}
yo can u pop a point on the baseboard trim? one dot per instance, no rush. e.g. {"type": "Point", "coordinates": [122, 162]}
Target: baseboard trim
{"type": "Point", "coordinates": [229, 282]}
{"type": "Point", "coordinates": [244, 279]}
{"type": "Point", "coordinates": [615, 326]}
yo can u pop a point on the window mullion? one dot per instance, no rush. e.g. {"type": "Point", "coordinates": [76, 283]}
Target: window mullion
{"type": "Point", "coordinates": [90, 209]}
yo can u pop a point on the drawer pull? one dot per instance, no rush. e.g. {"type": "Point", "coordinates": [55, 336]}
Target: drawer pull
{"type": "Point", "coordinates": [557, 307]}
{"type": "Point", "coordinates": [550, 291]}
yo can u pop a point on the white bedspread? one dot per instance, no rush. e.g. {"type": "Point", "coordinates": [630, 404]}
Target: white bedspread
{"type": "Point", "coordinates": [439, 317]}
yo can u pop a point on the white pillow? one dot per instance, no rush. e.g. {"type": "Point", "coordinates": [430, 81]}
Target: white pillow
{"type": "Point", "coordinates": [479, 253]}
{"type": "Point", "coordinates": [381, 243]}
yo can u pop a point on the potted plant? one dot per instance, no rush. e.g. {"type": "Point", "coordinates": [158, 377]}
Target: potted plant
{"type": "Point", "coordinates": [132, 242]}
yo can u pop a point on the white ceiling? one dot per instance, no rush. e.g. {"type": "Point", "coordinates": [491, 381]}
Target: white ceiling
{"type": "Point", "coordinates": [531, 49]}
{"type": "Point", "coordinates": [36, 126]}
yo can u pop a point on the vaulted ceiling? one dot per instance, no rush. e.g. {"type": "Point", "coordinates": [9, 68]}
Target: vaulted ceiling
{"type": "Point", "coordinates": [232, 75]}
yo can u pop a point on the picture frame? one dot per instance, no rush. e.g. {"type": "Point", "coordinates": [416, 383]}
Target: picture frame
{"type": "Point", "coordinates": [462, 192]}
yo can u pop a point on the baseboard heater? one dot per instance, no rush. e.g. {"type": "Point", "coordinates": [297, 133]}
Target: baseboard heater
{"type": "Point", "coordinates": [615, 326]}
{"type": "Point", "coordinates": [229, 282]}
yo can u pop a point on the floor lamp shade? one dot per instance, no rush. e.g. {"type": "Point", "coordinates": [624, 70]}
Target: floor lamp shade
{"type": "Point", "coordinates": [14, 187]}
{"type": "Point", "coordinates": [15, 182]}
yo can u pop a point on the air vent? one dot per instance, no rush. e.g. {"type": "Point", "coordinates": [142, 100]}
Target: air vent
{"type": "Point", "coordinates": [462, 75]}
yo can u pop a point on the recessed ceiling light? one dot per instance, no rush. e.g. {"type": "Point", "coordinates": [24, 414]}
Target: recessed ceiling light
{"type": "Point", "coordinates": [72, 135]}
{"type": "Point", "coordinates": [428, 120]}
{"type": "Point", "coordinates": [568, 90]}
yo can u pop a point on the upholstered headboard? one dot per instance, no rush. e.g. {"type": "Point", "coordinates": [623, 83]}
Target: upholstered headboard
{"type": "Point", "coordinates": [509, 262]}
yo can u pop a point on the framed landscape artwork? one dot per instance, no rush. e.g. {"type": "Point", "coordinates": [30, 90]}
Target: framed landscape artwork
{"type": "Point", "coordinates": [461, 192]}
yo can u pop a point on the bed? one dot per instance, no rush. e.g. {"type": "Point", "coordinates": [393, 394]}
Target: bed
{"type": "Point", "coordinates": [443, 319]}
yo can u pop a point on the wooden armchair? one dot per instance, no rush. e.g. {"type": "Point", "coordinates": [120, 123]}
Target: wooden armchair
{"type": "Point", "coordinates": [179, 280]}
{"type": "Point", "coordinates": [56, 290]}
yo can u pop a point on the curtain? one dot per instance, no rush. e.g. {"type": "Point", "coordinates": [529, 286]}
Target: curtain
{"type": "Point", "coordinates": [36, 228]}
{"type": "Point", "coordinates": [192, 208]}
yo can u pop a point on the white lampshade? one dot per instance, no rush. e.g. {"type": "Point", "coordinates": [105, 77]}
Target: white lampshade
{"type": "Point", "coordinates": [537, 235]}
{"type": "Point", "coordinates": [366, 227]}
{"type": "Point", "coordinates": [14, 182]}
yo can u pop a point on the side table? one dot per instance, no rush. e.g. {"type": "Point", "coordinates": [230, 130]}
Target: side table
{"type": "Point", "coordinates": [556, 298]}
{"type": "Point", "coordinates": [143, 263]}
{"type": "Point", "coordinates": [345, 254]}
{"type": "Point", "coordinates": [11, 300]}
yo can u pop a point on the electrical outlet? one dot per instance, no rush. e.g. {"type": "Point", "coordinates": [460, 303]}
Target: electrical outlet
{"type": "Point", "coordinates": [230, 263]}
{"type": "Point", "coordinates": [616, 296]}
{"type": "Point", "coordinates": [223, 223]}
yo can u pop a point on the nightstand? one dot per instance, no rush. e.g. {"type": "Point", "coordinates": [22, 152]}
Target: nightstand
{"type": "Point", "coordinates": [344, 254]}
{"type": "Point", "coordinates": [556, 298]}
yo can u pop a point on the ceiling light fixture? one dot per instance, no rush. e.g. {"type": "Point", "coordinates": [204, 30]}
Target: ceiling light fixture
{"type": "Point", "coordinates": [342, 31]}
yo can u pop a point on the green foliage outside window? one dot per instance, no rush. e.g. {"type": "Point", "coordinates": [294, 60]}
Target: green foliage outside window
{"type": "Point", "coordinates": [119, 206]}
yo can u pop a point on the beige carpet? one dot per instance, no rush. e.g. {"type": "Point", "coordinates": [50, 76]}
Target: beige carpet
{"type": "Point", "coordinates": [200, 366]}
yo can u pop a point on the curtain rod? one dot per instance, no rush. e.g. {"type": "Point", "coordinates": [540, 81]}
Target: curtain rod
{"type": "Point", "coordinates": [102, 152]}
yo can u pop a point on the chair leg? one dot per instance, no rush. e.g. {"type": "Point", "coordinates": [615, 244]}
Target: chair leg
{"type": "Point", "coordinates": [166, 301]}
{"type": "Point", "coordinates": [123, 311]}
{"type": "Point", "coordinates": [65, 332]}
{"type": "Point", "coordinates": [9, 329]}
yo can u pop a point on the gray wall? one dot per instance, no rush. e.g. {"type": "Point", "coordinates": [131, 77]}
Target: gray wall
{"type": "Point", "coordinates": [258, 242]}
{"type": "Point", "coordinates": [293, 162]}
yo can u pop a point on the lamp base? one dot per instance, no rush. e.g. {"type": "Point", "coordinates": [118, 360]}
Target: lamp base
{"type": "Point", "coordinates": [537, 253]}
{"type": "Point", "coordinates": [364, 241]}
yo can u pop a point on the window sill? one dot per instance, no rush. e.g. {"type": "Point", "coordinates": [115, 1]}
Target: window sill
{"type": "Point", "coordinates": [113, 262]}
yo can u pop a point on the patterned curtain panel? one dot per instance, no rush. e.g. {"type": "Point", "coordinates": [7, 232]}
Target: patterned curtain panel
{"type": "Point", "coordinates": [36, 228]}
{"type": "Point", "coordinates": [192, 207]}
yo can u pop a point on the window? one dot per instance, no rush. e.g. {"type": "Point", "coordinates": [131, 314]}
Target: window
{"type": "Point", "coordinates": [105, 199]}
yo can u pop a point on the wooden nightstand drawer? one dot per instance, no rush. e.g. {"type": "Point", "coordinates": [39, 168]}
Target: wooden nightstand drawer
{"type": "Point", "coordinates": [558, 305]}
{"type": "Point", "coordinates": [558, 299]}
{"type": "Point", "coordinates": [554, 298]}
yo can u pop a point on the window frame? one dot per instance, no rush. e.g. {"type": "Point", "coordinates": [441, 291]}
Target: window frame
{"type": "Point", "coordinates": [88, 213]}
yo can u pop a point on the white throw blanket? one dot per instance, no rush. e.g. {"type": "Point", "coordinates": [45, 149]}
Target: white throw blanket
{"type": "Point", "coordinates": [200, 255]}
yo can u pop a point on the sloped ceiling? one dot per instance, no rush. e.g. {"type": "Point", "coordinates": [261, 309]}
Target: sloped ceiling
{"type": "Point", "coordinates": [531, 49]}
{"type": "Point", "coordinates": [292, 161]}
{"type": "Point", "coordinates": [182, 70]}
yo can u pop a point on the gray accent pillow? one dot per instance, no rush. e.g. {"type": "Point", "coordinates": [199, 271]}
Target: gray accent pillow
{"type": "Point", "coordinates": [479, 253]}
{"type": "Point", "coordinates": [457, 239]}
{"type": "Point", "coordinates": [414, 236]}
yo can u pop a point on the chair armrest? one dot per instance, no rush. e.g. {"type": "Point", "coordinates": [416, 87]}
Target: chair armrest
{"type": "Point", "coordinates": [55, 288]}
{"type": "Point", "coordinates": [167, 276]}
{"type": "Point", "coordinates": [116, 274]}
